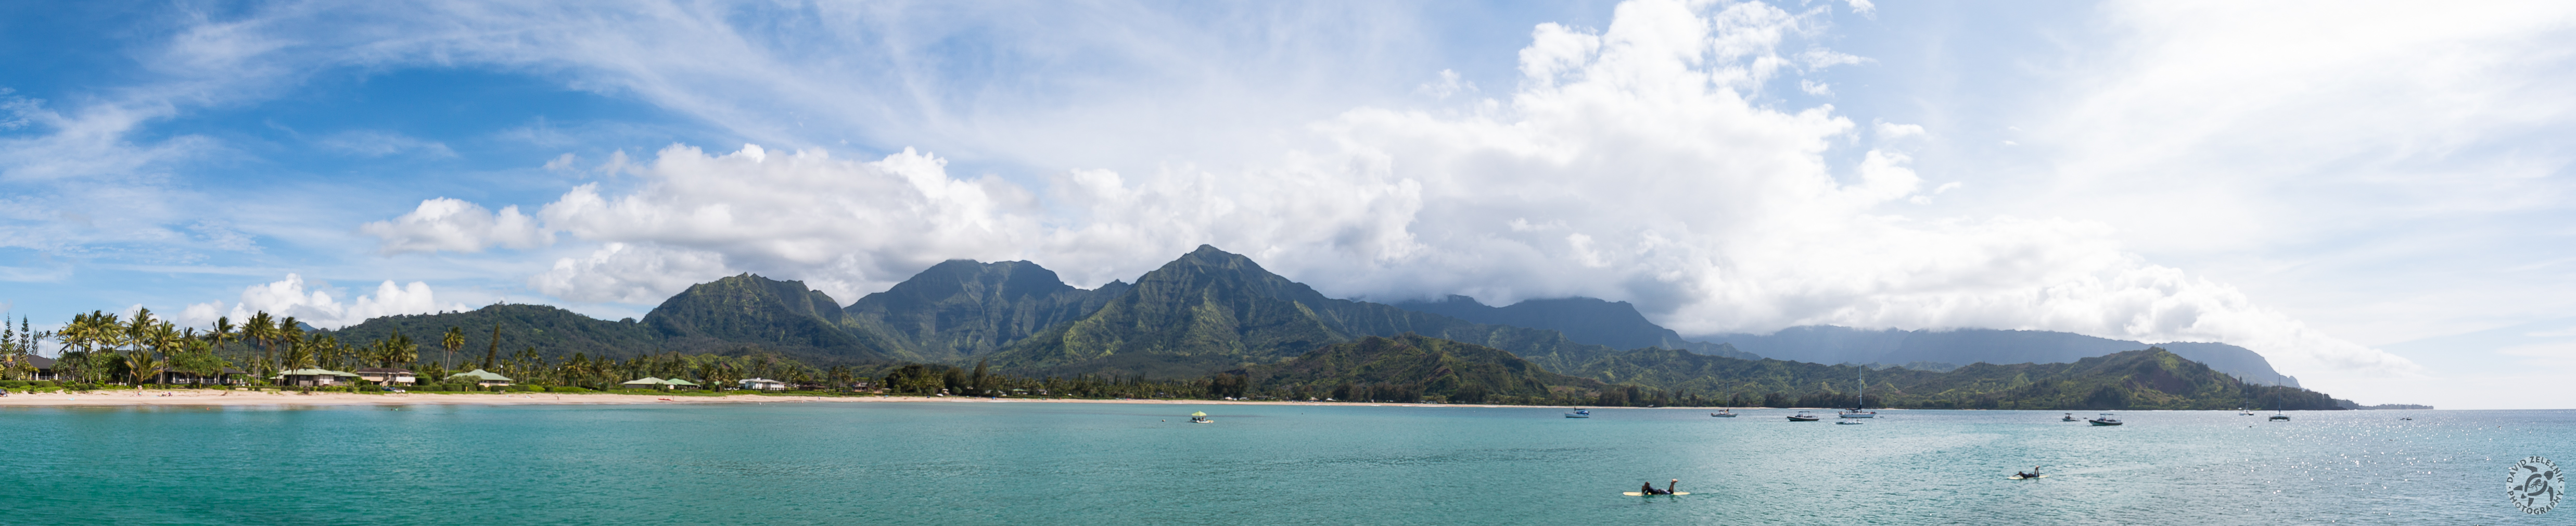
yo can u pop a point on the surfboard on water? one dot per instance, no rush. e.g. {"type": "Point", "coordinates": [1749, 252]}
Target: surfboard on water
{"type": "Point", "coordinates": [1642, 494]}
{"type": "Point", "coordinates": [2019, 477]}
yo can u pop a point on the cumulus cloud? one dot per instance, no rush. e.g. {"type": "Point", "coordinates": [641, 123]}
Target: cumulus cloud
{"type": "Point", "coordinates": [1635, 162]}
{"type": "Point", "coordinates": [456, 225]}
{"type": "Point", "coordinates": [311, 305]}
{"type": "Point", "coordinates": [624, 273]}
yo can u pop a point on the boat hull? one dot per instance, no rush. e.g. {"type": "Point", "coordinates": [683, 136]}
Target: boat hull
{"type": "Point", "coordinates": [2102, 423]}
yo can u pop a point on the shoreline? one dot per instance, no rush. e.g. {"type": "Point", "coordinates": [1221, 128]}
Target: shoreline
{"type": "Point", "coordinates": [214, 398]}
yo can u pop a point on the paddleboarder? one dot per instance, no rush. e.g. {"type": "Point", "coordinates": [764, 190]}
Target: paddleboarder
{"type": "Point", "coordinates": [1649, 488]}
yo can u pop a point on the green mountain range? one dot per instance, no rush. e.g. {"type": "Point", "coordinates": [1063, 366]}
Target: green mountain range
{"type": "Point", "coordinates": [1220, 317]}
{"type": "Point", "coordinates": [1211, 310]}
{"type": "Point", "coordinates": [960, 309]}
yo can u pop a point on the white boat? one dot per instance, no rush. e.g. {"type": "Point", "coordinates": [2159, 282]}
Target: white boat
{"type": "Point", "coordinates": [2070, 417]}
{"type": "Point", "coordinates": [1861, 400]}
{"type": "Point", "coordinates": [1580, 413]}
{"type": "Point", "coordinates": [1804, 416]}
{"type": "Point", "coordinates": [1723, 413]}
{"type": "Point", "coordinates": [2105, 420]}
{"type": "Point", "coordinates": [1200, 417]}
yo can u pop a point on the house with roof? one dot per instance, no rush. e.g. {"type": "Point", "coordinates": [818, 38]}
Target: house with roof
{"type": "Point", "coordinates": [762, 384]}
{"type": "Point", "coordinates": [388, 376]}
{"type": "Point", "coordinates": [481, 378]}
{"type": "Point", "coordinates": [313, 378]}
{"type": "Point", "coordinates": [44, 367]}
{"type": "Point", "coordinates": [658, 383]}
{"type": "Point", "coordinates": [229, 376]}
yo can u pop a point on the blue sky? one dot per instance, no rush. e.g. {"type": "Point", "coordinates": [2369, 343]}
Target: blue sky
{"type": "Point", "coordinates": [2373, 196]}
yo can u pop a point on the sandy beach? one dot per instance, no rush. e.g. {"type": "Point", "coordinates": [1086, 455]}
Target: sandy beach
{"type": "Point", "coordinates": [208, 397]}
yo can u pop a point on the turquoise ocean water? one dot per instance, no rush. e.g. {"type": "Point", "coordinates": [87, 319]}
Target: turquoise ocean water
{"type": "Point", "coordinates": [1032, 464]}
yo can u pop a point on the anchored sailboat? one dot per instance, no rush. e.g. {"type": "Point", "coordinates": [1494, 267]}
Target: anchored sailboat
{"type": "Point", "coordinates": [1862, 400]}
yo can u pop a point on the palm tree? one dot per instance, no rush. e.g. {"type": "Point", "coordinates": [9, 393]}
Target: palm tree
{"type": "Point", "coordinates": [454, 340]}
{"type": "Point", "coordinates": [299, 353]}
{"type": "Point", "coordinates": [396, 349]}
{"type": "Point", "coordinates": [224, 332]}
{"type": "Point", "coordinates": [160, 342]}
{"type": "Point", "coordinates": [261, 330]}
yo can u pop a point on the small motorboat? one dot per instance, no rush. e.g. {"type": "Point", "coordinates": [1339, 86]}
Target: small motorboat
{"type": "Point", "coordinates": [2280, 417]}
{"type": "Point", "coordinates": [2105, 420]}
{"type": "Point", "coordinates": [1723, 413]}
{"type": "Point", "coordinates": [2070, 417]}
{"type": "Point", "coordinates": [1804, 416]}
{"type": "Point", "coordinates": [1200, 417]}
{"type": "Point", "coordinates": [1580, 413]}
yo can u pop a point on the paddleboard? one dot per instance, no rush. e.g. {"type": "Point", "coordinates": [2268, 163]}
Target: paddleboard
{"type": "Point", "coordinates": [1639, 494]}
{"type": "Point", "coordinates": [2019, 477]}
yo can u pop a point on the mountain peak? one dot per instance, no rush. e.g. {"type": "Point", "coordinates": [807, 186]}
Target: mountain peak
{"type": "Point", "coordinates": [1209, 255]}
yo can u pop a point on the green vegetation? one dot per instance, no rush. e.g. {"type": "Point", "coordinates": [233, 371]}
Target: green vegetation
{"type": "Point", "coordinates": [1213, 311]}
{"type": "Point", "coordinates": [1208, 325]}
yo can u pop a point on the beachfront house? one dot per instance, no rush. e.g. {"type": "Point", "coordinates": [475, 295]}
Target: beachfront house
{"type": "Point", "coordinates": [229, 376]}
{"type": "Point", "coordinates": [44, 368]}
{"type": "Point", "coordinates": [480, 378]}
{"type": "Point", "coordinates": [763, 384]}
{"type": "Point", "coordinates": [658, 383]}
{"type": "Point", "coordinates": [385, 376]}
{"type": "Point", "coordinates": [313, 378]}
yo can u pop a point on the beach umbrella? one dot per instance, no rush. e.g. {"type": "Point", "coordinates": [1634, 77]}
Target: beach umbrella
{"type": "Point", "coordinates": [1198, 413]}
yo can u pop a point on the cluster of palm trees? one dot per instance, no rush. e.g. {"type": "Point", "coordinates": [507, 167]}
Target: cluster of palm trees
{"type": "Point", "coordinates": [102, 347]}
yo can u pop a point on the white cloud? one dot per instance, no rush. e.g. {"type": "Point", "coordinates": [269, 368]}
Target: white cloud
{"type": "Point", "coordinates": [847, 227]}
{"type": "Point", "coordinates": [379, 143]}
{"type": "Point", "coordinates": [1631, 164]}
{"type": "Point", "coordinates": [1864, 8]}
{"type": "Point", "coordinates": [1891, 131]}
{"type": "Point", "coordinates": [312, 306]}
{"type": "Point", "coordinates": [456, 225]}
{"type": "Point", "coordinates": [639, 274]}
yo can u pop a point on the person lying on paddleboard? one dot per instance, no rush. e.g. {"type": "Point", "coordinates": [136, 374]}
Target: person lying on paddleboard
{"type": "Point", "coordinates": [2034, 473]}
{"type": "Point", "coordinates": [1649, 488]}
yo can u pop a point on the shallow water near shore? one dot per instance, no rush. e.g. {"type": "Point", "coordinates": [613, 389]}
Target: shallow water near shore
{"type": "Point", "coordinates": [988, 463]}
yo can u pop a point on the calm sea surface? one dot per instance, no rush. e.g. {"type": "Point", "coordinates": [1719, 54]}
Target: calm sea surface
{"type": "Point", "coordinates": [1032, 464]}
